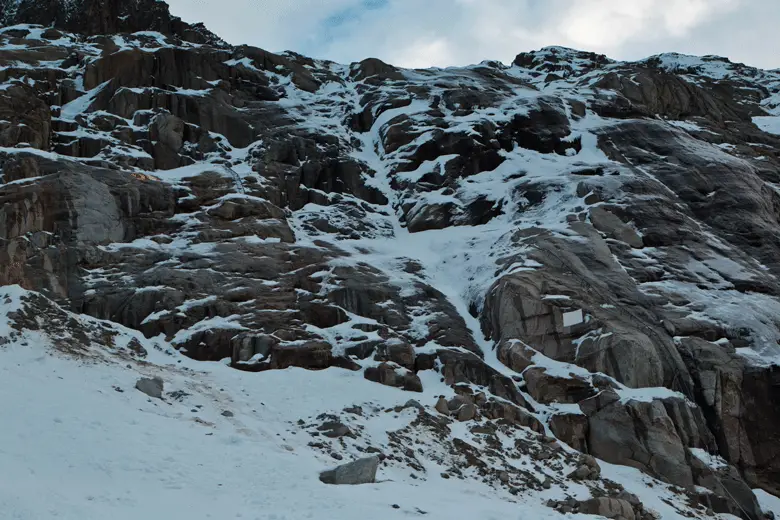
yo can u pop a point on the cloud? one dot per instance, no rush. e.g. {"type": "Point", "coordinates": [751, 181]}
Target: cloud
{"type": "Point", "coordinates": [412, 33]}
{"type": "Point", "coordinates": [607, 24]}
{"type": "Point", "coordinates": [424, 52]}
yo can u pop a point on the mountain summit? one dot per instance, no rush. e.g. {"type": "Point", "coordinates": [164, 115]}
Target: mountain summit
{"type": "Point", "coordinates": [233, 282]}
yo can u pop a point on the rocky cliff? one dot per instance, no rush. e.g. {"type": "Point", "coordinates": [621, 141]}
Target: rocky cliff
{"type": "Point", "coordinates": [580, 255]}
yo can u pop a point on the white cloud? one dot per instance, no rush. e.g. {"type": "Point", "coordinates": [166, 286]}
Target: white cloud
{"type": "Point", "coordinates": [424, 53]}
{"type": "Point", "coordinates": [607, 24]}
{"type": "Point", "coordinates": [413, 33]}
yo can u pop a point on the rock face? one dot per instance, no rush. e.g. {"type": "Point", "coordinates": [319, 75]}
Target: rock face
{"type": "Point", "coordinates": [640, 434]}
{"type": "Point", "coordinates": [609, 229]}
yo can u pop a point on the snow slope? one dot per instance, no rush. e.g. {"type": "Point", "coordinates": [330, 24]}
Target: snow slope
{"type": "Point", "coordinates": [80, 442]}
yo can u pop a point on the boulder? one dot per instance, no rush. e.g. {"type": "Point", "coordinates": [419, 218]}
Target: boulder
{"type": "Point", "coordinates": [466, 412]}
{"type": "Point", "coordinates": [465, 367]}
{"type": "Point", "coordinates": [388, 375]}
{"type": "Point", "coordinates": [153, 387]}
{"type": "Point", "coordinates": [588, 469]}
{"type": "Point", "coordinates": [500, 409]}
{"type": "Point", "coordinates": [515, 354]}
{"type": "Point", "coordinates": [375, 69]}
{"type": "Point", "coordinates": [396, 351]}
{"type": "Point", "coordinates": [546, 388]}
{"type": "Point", "coordinates": [334, 429]}
{"type": "Point", "coordinates": [24, 118]}
{"type": "Point", "coordinates": [361, 471]}
{"type": "Point", "coordinates": [441, 406]}
{"type": "Point", "coordinates": [608, 508]}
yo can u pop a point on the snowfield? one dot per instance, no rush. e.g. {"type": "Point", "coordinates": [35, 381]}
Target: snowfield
{"type": "Point", "coordinates": [84, 444]}
{"type": "Point", "coordinates": [80, 442]}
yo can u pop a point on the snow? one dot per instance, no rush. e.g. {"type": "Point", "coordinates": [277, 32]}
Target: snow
{"type": "Point", "coordinates": [102, 453]}
{"type": "Point", "coordinates": [769, 503]}
{"type": "Point", "coordinates": [647, 395]}
{"type": "Point", "coordinates": [20, 181]}
{"type": "Point", "coordinates": [654, 495]}
{"type": "Point", "coordinates": [99, 453]}
{"type": "Point", "coordinates": [254, 239]}
{"type": "Point", "coordinates": [686, 125]}
{"type": "Point", "coordinates": [713, 67]}
{"type": "Point", "coordinates": [34, 151]}
{"type": "Point", "coordinates": [81, 104]}
{"type": "Point", "coordinates": [179, 246]}
{"type": "Point", "coordinates": [572, 318]}
{"type": "Point", "coordinates": [157, 36]}
{"type": "Point", "coordinates": [181, 309]}
{"type": "Point", "coordinates": [102, 449]}
{"type": "Point", "coordinates": [193, 170]}
{"type": "Point", "coordinates": [753, 312]}
{"type": "Point", "coordinates": [769, 124]}
{"type": "Point", "coordinates": [209, 324]}
{"type": "Point", "coordinates": [712, 461]}
{"type": "Point", "coordinates": [244, 62]}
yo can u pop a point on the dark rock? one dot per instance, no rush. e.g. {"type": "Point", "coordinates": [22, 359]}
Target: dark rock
{"type": "Point", "coordinates": [638, 434]}
{"type": "Point", "coordinates": [387, 375]}
{"type": "Point", "coordinates": [548, 389]}
{"type": "Point", "coordinates": [375, 69]}
{"type": "Point", "coordinates": [571, 429]}
{"type": "Point", "coordinates": [106, 17]}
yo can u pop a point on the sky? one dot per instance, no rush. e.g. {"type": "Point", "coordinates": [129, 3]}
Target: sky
{"type": "Point", "coordinates": [439, 33]}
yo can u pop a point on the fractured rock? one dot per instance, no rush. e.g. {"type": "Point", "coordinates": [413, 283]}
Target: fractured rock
{"type": "Point", "coordinates": [638, 434]}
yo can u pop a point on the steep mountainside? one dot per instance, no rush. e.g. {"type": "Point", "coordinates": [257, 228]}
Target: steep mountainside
{"type": "Point", "coordinates": [543, 290]}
